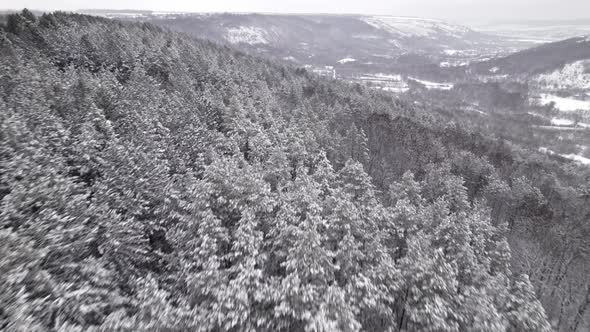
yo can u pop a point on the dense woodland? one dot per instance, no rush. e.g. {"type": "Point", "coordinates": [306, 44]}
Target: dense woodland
{"type": "Point", "coordinates": [153, 182]}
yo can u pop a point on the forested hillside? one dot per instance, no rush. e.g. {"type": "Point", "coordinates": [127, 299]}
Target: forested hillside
{"type": "Point", "coordinates": [153, 182]}
{"type": "Point", "coordinates": [537, 60]}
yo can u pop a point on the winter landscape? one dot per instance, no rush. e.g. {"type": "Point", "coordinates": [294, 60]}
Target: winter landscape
{"type": "Point", "coordinates": [319, 167]}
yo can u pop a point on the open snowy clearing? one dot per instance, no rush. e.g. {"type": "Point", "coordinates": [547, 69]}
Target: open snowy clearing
{"type": "Point", "coordinates": [564, 104]}
{"type": "Point", "coordinates": [433, 85]}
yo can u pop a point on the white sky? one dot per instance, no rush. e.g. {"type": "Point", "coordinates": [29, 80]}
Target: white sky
{"type": "Point", "coordinates": [446, 9]}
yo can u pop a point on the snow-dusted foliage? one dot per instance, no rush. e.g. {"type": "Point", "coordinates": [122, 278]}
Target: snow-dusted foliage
{"type": "Point", "coordinates": [246, 35]}
{"type": "Point", "coordinates": [572, 76]}
{"type": "Point", "coordinates": [153, 182]}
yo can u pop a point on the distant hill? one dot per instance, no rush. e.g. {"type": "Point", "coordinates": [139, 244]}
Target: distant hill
{"type": "Point", "coordinates": [540, 30]}
{"type": "Point", "coordinates": [354, 44]}
{"type": "Point", "coordinates": [537, 60]}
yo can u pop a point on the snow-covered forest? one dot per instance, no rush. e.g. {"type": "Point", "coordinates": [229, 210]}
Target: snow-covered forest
{"type": "Point", "coordinates": [150, 181]}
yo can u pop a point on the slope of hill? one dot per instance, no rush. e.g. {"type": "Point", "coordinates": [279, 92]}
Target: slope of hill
{"type": "Point", "coordinates": [150, 181]}
{"type": "Point", "coordinates": [537, 60]}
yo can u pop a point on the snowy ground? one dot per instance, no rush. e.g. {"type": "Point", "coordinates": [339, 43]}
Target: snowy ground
{"type": "Point", "coordinates": [346, 60]}
{"type": "Point", "coordinates": [564, 104]}
{"type": "Point", "coordinates": [433, 85]}
{"type": "Point", "coordinates": [393, 89]}
{"type": "Point", "coordinates": [574, 157]}
{"type": "Point", "coordinates": [561, 122]}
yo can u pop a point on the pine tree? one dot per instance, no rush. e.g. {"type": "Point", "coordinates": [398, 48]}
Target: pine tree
{"type": "Point", "coordinates": [525, 313]}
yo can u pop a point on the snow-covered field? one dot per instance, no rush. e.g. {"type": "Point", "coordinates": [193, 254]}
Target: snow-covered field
{"type": "Point", "coordinates": [561, 122]}
{"type": "Point", "coordinates": [433, 85]}
{"type": "Point", "coordinates": [346, 60]}
{"type": "Point", "coordinates": [564, 104]}
{"type": "Point", "coordinates": [246, 35]}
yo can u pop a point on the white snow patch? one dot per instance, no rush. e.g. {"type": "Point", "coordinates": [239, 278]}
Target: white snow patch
{"type": "Point", "coordinates": [561, 122]}
{"type": "Point", "coordinates": [564, 104]}
{"type": "Point", "coordinates": [567, 122]}
{"type": "Point", "coordinates": [447, 64]}
{"type": "Point", "coordinates": [534, 41]}
{"type": "Point", "coordinates": [577, 158]}
{"type": "Point", "coordinates": [451, 52]}
{"type": "Point", "coordinates": [571, 156]}
{"type": "Point", "coordinates": [560, 128]}
{"type": "Point", "coordinates": [366, 37]}
{"type": "Point", "coordinates": [433, 85]}
{"type": "Point", "coordinates": [289, 58]}
{"type": "Point", "coordinates": [346, 60]}
{"type": "Point", "coordinates": [394, 89]}
{"type": "Point", "coordinates": [494, 70]}
{"type": "Point", "coordinates": [246, 35]}
{"type": "Point", "coordinates": [390, 77]}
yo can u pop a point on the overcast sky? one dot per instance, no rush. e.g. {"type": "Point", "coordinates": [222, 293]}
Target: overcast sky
{"type": "Point", "coordinates": [463, 10]}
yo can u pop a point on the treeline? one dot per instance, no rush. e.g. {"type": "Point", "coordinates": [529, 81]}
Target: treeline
{"type": "Point", "coordinates": [150, 181]}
